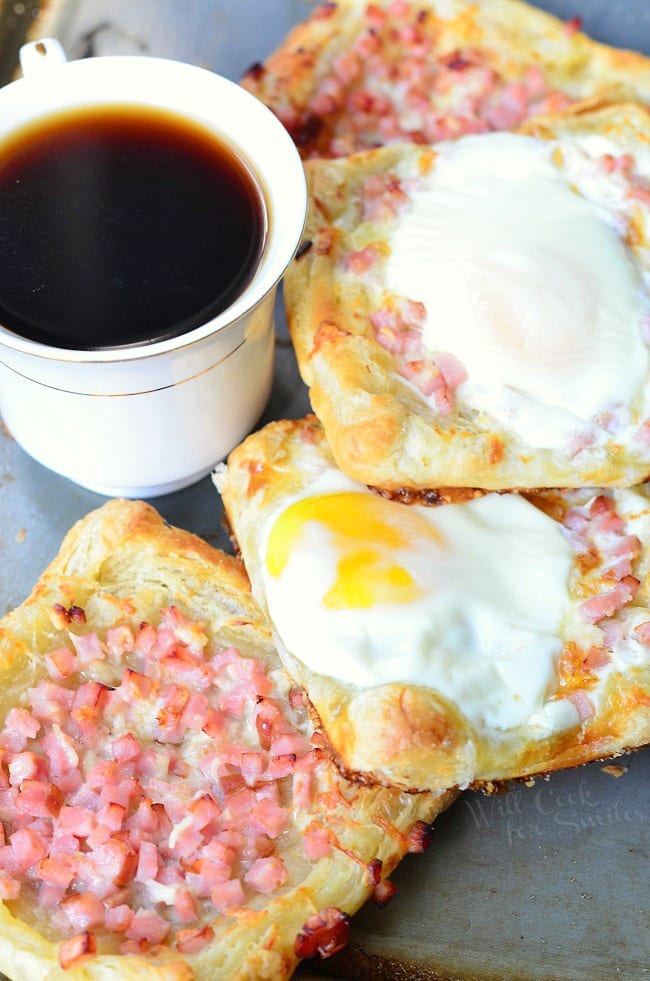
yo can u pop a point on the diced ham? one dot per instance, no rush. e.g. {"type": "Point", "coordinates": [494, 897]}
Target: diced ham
{"type": "Point", "coordinates": [267, 874]}
{"type": "Point", "coordinates": [111, 816]}
{"type": "Point", "coordinates": [22, 722]}
{"type": "Point", "coordinates": [118, 918]}
{"type": "Point", "coordinates": [203, 811]}
{"type": "Point", "coordinates": [61, 663]}
{"type": "Point", "coordinates": [583, 704]}
{"type": "Point", "coordinates": [38, 798]}
{"type": "Point", "coordinates": [289, 743]}
{"type": "Point", "coordinates": [383, 892]}
{"type": "Point", "coordinates": [126, 749]}
{"type": "Point", "coordinates": [147, 925]}
{"type": "Point", "coordinates": [88, 647]}
{"type": "Point", "coordinates": [101, 825]}
{"type": "Point", "coordinates": [362, 261]}
{"type": "Point", "coordinates": [25, 766]}
{"type": "Point", "coordinates": [185, 909]}
{"type": "Point", "coordinates": [28, 847]}
{"type": "Point", "coordinates": [120, 640]}
{"type": "Point", "coordinates": [316, 842]}
{"type": "Point", "coordinates": [90, 694]}
{"type": "Point", "coordinates": [227, 896]}
{"type": "Point", "coordinates": [57, 871]}
{"type": "Point", "coordinates": [268, 817]}
{"type": "Point", "coordinates": [115, 861]}
{"type": "Point", "coordinates": [120, 792]}
{"type": "Point", "coordinates": [204, 874]}
{"type": "Point", "coordinates": [187, 631]}
{"type": "Point", "coordinates": [145, 638]}
{"type": "Point", "coordinates": [136, 686]}
{"type": "Point", "coordinates": [147, 862]}
{"type": "Point", "coordinates": [60, 751]}
{"type": "Point", "coordinates": [597, 658]}
{"type": "Point", "coordinates": [144, 819]}
{"type": "Point", "coordinates": [606, 604]}
{"type": "Point", "coordinates": [192, 941]}
{"type": "Point", "coordinates": [9, 888]}
{"type": "Point", "coordinates": [324, 933]}
{"type": "Point", "coordinates": [73, 950]}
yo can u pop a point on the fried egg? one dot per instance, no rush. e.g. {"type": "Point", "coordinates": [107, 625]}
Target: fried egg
{"type": "Point", "coordinates": [515, 246]}
{"type": "Point", "coordinates": [468, 599]}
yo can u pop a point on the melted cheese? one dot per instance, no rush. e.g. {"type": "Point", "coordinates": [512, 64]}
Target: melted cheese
{"type": "Point", "coordinates": [527, 283]}
{"type": "Point", "coordinates": [468, 599]}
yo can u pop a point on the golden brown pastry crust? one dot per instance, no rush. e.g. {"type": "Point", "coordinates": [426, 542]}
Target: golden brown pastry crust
{"type": "Point", "coordinates": [401, 733]}
{"type": "Point", "coordinates": [381, 431]}
{"type": "Point", "coordinates": [124, 561]}
{"type": "Point", "coordinates": [510, 34]}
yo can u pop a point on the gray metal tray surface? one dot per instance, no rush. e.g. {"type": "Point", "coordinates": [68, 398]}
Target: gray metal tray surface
{"type": "Point", "coordinates": [546, 883]}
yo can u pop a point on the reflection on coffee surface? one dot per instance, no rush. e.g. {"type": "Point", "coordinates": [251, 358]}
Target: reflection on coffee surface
{"type": "Point", "coordinates": [122, 224]}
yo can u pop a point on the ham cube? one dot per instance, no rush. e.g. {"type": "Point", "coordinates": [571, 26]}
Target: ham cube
{"type": "Point", "coordinates": [316, 842]}
{"type": "Point", "coordinates": [28, 847]}
{"type": "Point", "coordinates": [38, 798]}
{"type": "Point", "coordinates": [25, 766]}
{"type": "Point", "coordinates": [81, 912]}
{"type": "Point", "coordinates": [60, 751]}
{"type": "Point", "coordinates": [78, 821]}
{"type": "Point", "coordinates": [115, 861]}
{"type": "Point", "coordinates": [267, 874]}
{"type": "Point", "coordinates": [147, 862]}
{"type": "Point", "coordinates": [126, 749]}
{"type": "Point", "coordinates": [61, 663]}
{"type": "Point", "coordinates": [228, 896]}
{"type": "Point", "coordinates": [88, 647]}
{"type": "Point", "coordinates": [22, 722]}
{"type": "Point", "coordinates": [185, 909]}
{"type": "Point", "coordinates": [58, 870]}
{"type": "Point", "coordinates": [118, 918]}
{"type": "Point", "coordinates": [73, 950]}
{"type": "Point", "coordinates": [147, 925]}
{"type": "Point", "coordinates": [120, 640]}
{"type": "Point", "coordinates": [192, 941]}
{"type": "Point", "coordinates": [268, 817]}
{"type": "Point", "coordinates": [9, 888]}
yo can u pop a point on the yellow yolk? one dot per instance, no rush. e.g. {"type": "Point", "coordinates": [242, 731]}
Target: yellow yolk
{"type": "Point", "coordinates": [366, 531]}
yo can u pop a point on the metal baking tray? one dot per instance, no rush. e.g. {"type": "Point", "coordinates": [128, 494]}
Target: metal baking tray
{"type": "Point", "coordinates": [545, 883]}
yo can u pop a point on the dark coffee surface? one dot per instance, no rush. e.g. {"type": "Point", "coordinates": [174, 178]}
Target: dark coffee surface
{"type": "Point", "coordinates": [122, 225]}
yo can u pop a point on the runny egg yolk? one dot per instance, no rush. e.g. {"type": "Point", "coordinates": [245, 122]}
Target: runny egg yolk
{"type": "Point", "coordinates": [367, 532]}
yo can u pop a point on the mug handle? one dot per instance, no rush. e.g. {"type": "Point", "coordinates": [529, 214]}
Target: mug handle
{"type": "Point", "coordinates": [40, 56]}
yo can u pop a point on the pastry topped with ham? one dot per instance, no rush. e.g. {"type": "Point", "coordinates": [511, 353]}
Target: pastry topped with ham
{"type": "Point", "coordinates": [359, 74]}
{"type": "Point", "coordinates": [166, 806]}
{"type": "Point", "coordinates": [476, 312]}
{"type": "Point", "coordinates": [492, 637]}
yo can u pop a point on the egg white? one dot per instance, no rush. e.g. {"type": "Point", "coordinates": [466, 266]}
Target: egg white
{"type": "Point", "coordinates": [485, 630]}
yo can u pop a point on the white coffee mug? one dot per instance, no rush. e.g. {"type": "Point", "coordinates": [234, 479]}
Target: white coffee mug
{"type": "Point", "coordinates": [148, 419]}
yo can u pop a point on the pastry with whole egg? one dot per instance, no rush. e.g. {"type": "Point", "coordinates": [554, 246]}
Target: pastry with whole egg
{"type": "Point", "coordinates": [357, 74]}
{"type": "Point", "coordinates": [498, 636]}
{"type": "Point", "coordinates": [477, 312]}
{"type": "Point", "coordinates": [166, 808]}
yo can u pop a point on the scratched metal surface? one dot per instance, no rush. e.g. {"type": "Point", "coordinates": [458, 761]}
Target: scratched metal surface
{"type": "Point", "coordinates": [548, 883]}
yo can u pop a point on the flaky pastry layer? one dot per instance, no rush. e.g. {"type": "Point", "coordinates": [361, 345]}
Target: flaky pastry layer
{"type": "Point", "coordinates": [408, 734]}
{"type": "Point", "coordinates": [381, 428]}
{"type": "Point", "coordinates": [121, 564]}
{"type": "Point", "coordinates": [316, 85]}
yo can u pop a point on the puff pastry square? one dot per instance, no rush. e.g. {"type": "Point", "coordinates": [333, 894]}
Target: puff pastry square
{"type": "Point", "coordinates": [457, 643]}
{"type": "Point", "coordinates": [473, 330]}
{"type": "Point", "coordinates": [357, 75]}
{"type": "Point", "coordinates": [163, 792]}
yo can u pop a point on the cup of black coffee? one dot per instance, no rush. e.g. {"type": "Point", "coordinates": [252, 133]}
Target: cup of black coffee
{"type": "Point", "coordinates": [149, 210]}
